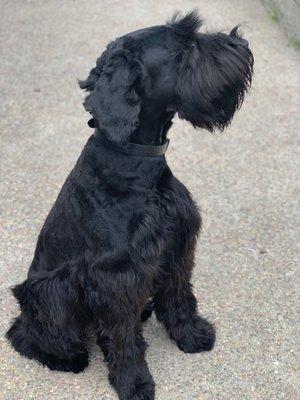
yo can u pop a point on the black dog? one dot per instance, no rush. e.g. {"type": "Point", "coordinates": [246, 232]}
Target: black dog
{"type": "Point", "coordinates": [123, 228]}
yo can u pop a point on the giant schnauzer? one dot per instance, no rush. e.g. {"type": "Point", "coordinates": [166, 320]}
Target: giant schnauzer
{"type": "Point", "coordinates": [120, 238]}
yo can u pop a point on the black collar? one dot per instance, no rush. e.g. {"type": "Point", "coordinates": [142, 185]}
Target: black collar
{"type": "Point", "coordinates": [132, 149]}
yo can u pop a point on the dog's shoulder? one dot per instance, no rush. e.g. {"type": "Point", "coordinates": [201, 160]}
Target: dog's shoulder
{"type": "Point", "coordinates": [174, 192]}
{"type": "Point", "coordinates": [178, 203]}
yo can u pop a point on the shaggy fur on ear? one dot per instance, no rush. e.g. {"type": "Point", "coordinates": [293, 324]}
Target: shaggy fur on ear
{"type": "Point", "coordinates": [113, 102]}
{"type": "Point", "coordinates": [94, 75]}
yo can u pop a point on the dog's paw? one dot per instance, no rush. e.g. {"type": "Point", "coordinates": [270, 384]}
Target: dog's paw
{"type": "Point", "coordinates": [143, 390]}
{"type": "Point", "coordinates": [197, 337]}
{"type": "Point", "coordinates": [76, 364]}
{"type": "Point", "coordinates": [134, 385]}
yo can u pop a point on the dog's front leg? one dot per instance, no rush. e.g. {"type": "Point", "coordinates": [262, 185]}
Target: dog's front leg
{"type": "Point", "coordinates": [118, 305]}
{"type": "Point", "coordinates": [176, 306]}
{"type": "Point", "coordinates": [124, 351]}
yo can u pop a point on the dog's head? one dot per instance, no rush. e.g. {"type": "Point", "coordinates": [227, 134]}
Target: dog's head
{"type": "Point", "coordinates": [171, 68]}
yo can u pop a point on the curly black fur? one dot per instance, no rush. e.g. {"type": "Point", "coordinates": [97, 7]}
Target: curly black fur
{"type": "Point", "coordinates": [120, 238]}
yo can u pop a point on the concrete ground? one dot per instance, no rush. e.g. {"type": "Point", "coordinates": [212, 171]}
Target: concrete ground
{"type": "Point", "coordinates": [244, 179]}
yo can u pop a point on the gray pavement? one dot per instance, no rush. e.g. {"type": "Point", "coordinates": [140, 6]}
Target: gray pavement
{"type": "Point", "coordinates": [244, 179]}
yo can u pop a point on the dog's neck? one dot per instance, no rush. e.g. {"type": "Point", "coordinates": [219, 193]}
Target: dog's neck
{"type": "Point", "coordinates": [153, 126]}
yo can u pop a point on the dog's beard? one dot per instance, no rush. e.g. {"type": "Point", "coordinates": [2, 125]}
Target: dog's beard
{"type": "Point", "coordinates": [213, 82]}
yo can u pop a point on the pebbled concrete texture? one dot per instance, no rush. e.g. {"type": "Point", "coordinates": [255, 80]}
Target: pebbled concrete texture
{"type": "Point", "coordinates": [287, 13]}
{"type": "Point", "coordinates": [245, 181]}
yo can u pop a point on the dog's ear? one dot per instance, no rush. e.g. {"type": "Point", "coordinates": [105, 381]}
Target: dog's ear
{"type": "Point", "coordinates": [214, 74]}
{"type": "Point", "coordinates": [113, 101]}
{"type": "Point", "coordinates": [94, 75]}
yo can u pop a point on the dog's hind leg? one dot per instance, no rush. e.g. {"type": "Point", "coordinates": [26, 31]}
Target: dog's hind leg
{"type": "Point", "coordinates": [47, 330]}
{"type": "Point", "coordinates": [29, 337]}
